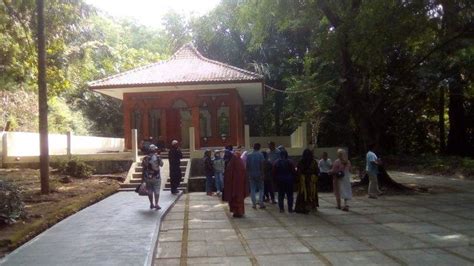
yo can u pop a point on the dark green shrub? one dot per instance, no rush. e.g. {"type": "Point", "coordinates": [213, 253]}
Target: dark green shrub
{"type": "Point", "coordinates": [75, 168]}
{"type": "Point", "coordinates": [11, 204]}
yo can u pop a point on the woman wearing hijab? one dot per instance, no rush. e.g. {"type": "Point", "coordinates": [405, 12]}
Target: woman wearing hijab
{"type": "Point", "coordinates": [342, 179]}
{"type": "Point", "coordinates": [307, 182]}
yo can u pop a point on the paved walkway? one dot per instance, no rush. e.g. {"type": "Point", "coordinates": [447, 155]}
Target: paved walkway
{"type": "Point", "coordinates": [119, 230]}
{"type": "Point", "coordinates": [430, 180]}
{"type": "Point", "coordinates": [392, 230]}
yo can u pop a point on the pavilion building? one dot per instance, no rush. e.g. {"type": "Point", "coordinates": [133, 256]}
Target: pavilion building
{"type": "Point", "coordinates": [188, 90]}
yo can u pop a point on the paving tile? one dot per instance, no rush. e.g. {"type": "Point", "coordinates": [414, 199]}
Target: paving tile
{"type": "Point", "coordinates": [170, 235]}
{"type": "Point", "coordinates": [429, 257]}
{"type": "Point", "coordinates": [168, 250]}
{"type": "Point", "coordinates": [215, 248]}
{"type": "Point", "coordinates": [276, 246]}
{"type": "Point", "coordinates": [349, 219]}
{"type": "Point", "coordinates": [467, 252]}
{"type": "Point", "coordinates": [174, 216]}
{"type": "Point", "coordinates": [370, 210]}
{"type": "Point", "coordinates": [265, 232]}
{"type": "Point", "coordinates": [359, 258]}
{"type": "Point", "coordinates": [399, 241]}
{"type": "Point", "coordinates": [253, 223]}
{"type": "Point", "coordinates": [231, 261]}
{"type": "Point", "coordinates": [318, 231]}
{"type": "Point", "coordinates": [451, 208]}
{"type": "Point", "coordinates": [434, 216]}
{"type": "Point", "coordinates": [417, 228]}
{"type": "Point", "coordinates": [208, 215]}
{"type": "Point", "coordinates": [289, 259]}
{"type": "Point", "coordinates": [444, 239]}
{"type": "Point", "coordinates": [302, 220]}
{"type": "Point", "coordinates": [459, 224]}
{"type": "Point", "coordinates": [212, 234]}
{"type": "Point", "coordinates": [409, 209]}
{"type": "Point", "coordinates": [201, 207]}
{"type": "Point", "coordinates": [336, 243]}
{"type": "Point", "coordinates": [209, 224]}
{"type": "Point", "coordinates": [167, 262]}
{"type": "Point", "coordinates": [172, 225]}
{"type": "Point", "coordinates": [392, 218]}
{"type": "Point", "coordinates": [367, 229]}
{"type": "Point", "coordinates": [465, 214]}
{"type": "Point", "coordinates": [331, 211]}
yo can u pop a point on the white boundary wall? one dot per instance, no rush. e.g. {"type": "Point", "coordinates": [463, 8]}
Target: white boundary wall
{"type": "Point", "coordinates": [20, 144]}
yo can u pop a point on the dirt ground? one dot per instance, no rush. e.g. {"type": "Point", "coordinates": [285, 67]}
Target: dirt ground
{"type": "Point", "coordinates": [43, 211]}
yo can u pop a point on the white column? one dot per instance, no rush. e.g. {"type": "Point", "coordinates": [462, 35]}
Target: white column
{"type": "Point", "coordinates": [247, 137]}
{"type": "Point", "coordinates": [304, 135]}
{"type": "Point", "coordinates": [134, 145]}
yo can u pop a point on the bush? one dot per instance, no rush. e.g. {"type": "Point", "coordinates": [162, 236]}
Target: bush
{"type": "Point", "coordinates": [75, 168]}
{"type": "Point", "coordinates": [11, 206]}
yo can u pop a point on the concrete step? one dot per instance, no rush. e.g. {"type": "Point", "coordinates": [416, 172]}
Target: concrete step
{"type": "Point", "coordinates": [128, 186]}
{"type": "Point", "coordinates": [181, 186]}
{"type": "Point", "coordinates": [169, 180]}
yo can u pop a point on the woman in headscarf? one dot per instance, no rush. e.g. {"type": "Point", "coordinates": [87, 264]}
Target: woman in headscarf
{"type": "Point", "coordinates": [307, 181]}
{"type": "Point", "coordinates": [342, 179]}
{"type": "Point", "coordinates": [235, 184]}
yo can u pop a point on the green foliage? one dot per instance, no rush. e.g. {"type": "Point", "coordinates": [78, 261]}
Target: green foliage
{"type": "Point", "coordinates": [75, 168]}
{"type": "Point", "coordinates": [11, 206]}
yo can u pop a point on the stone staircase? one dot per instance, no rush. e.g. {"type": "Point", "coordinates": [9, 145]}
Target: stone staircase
{"type": "Point", "coordinates": [134, 176]}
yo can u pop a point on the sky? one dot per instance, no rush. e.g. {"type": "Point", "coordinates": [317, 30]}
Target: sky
{"type": "Point", "coordinates": [150, 12]}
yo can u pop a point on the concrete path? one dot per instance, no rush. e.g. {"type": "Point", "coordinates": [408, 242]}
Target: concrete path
{"type": "Point", "coordinates": [431, 180]}
{"type": "Point", "coordinates": [119, 230]}
{"type": "Point", "coordinates": [392, 230]}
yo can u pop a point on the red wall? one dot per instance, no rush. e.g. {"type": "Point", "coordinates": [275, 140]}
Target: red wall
{"type": "Point", "coordinates": [194, 99]}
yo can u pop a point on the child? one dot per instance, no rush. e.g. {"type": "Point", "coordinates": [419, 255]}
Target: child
{"type": "Point", "coordinates": [218, 164]}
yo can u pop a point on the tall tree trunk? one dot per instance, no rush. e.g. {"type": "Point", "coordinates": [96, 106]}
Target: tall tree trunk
{"type": "Point", "coordinates": [43, 100]}
{"type": "Point", "coordinates": [457, 121]}
{"type": "Point", "coordinates": [442, 134]}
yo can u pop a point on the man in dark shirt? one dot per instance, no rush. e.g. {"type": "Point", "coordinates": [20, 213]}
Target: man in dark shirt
{"type": "Point", "coordinates": [175, 157]}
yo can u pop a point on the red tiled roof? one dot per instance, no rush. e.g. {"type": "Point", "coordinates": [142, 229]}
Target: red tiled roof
{"type": "Point", "coordinates": [186, 66]}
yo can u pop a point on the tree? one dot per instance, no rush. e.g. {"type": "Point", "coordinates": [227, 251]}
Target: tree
{"type": "Point", "coordinates": [43, 101]}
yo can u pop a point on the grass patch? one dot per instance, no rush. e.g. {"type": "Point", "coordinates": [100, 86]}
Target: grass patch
{"type": "Point", "coordinates": [43, 211]}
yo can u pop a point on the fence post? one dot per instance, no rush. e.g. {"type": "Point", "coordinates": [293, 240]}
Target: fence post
{"type": "Point", "coordinates": [69, 144]}
{"type": "Point", "coordinates": [4, 148]}
{"type": "Point", "coordinates": [134, 146]}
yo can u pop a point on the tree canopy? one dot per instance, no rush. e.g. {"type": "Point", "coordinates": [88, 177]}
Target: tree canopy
{"type": "Point", "coordinates": [395, 73]}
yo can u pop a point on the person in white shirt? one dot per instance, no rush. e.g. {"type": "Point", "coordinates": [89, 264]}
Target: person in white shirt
{"type": "Point", "coordinates": [325, 180]}
{"type": "Point", "coordinates": [372, 168]}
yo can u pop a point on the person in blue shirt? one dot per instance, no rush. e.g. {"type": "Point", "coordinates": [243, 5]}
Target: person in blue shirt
{"type": "Point", "coordinates": [372, 168]}
{"type": "Point", "coordinates": [254, 166]}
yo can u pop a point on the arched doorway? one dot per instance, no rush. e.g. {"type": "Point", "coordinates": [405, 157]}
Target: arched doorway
{"type": "Point", "coordinates": [179, 120]}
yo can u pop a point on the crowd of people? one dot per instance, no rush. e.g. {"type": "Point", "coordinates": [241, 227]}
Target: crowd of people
{"type": "Point", "coordinates": [236, 174]}
{"type": "Point", "coordinates": [260, 174]}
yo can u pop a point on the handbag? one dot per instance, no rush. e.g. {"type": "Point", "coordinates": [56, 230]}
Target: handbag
{"type": "Point", "coordinates": [141, 189]}
{"type": "Point", "coordinates": [340, 174]}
